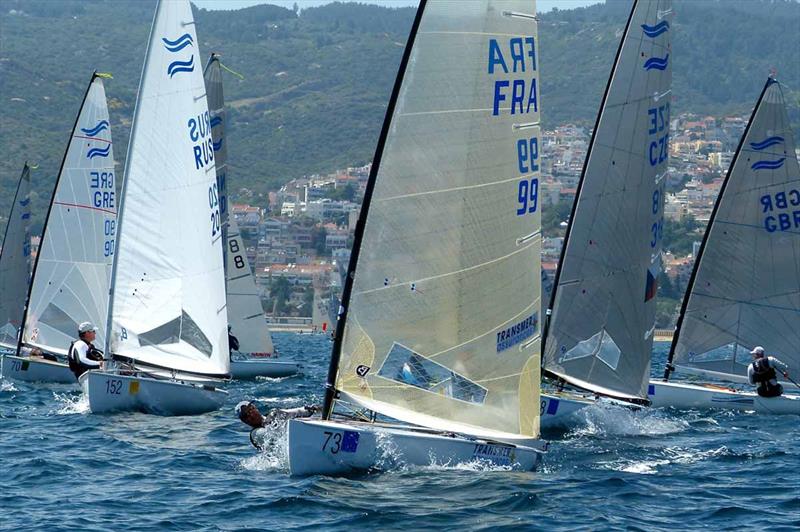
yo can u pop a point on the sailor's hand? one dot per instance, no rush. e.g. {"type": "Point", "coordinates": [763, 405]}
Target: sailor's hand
{"type": "Point", "coordinates": [786, 374]}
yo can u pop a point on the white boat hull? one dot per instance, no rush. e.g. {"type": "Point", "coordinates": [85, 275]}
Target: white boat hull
{"type": "Point", "coordinates": [557, 408]}
{"type": "Point", "coordinates": [112, 392]}
{"type": "Point", "coordinates": [34, 369]}
{"type": "Point", "coordinates": [252, 368]}
{"type": "Point", "coordinates": [691, 396]}
{"type": "Point", "coordinates": [319, 447]}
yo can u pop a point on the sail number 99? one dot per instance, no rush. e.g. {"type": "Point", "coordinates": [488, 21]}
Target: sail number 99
{"type": "Point", "coordinates": [527, 155]}
{"type": "Point", "coordinates": [528, 196]}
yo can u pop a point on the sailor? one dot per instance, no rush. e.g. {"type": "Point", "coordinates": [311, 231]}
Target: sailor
{"type": "Point", "coordinates": [762, 373]}
{"type": "Point", "coordinates": [83, 356]}
{"type": "Point", "coordinates": [233, 343]}
{"type": "Point", "coordinates": [248, 413]}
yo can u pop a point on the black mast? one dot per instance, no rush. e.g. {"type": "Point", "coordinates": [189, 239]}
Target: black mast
{"type": "Point", "coordinates": [336, 353]}
{"type": "Point", "coordinates": [685, 303]}
{"type": "Point", "coordinates": [49, 210]}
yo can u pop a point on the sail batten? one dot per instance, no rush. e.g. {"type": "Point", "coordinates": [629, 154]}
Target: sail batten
{"type": "Point", "coordinates": [447, 238]}
{"type": "Point", "coordinates": [168, 296]}
{"type": "Point", "coordinates": [600, 332]}
{"type": "Point", "coordinates": [745, 286]}
{"type": "Point", "coordinates": [72, 272]}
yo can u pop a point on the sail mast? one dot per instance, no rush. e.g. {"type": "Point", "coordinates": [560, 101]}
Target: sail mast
{"type": "Point", "coordinates": [696, 267]}
{"type": "Point", "coordinates": [330, 385]}
{"type": "Point", "coordinates": [120, 208]}
{"type": "Point", "coordinates": [559, 268]}
{"type": "Point", "coordinates": [50, 210]}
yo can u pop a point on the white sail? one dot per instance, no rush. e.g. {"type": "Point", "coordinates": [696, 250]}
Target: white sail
{"type": "Point", "coordinates": [15, 262]}
{"type": "Point", "coordinates": [745, 289]}
{"type": "Point", "coordinates": [245, 313]}
{"type": "Point", "coordinates": [442, 309]}
{"type": "Point", "coordinates": [168, 288]}
{"type": "Point", "coordinates": [600, 333]}
{"type": "Point", "coordinates": [73, 267]}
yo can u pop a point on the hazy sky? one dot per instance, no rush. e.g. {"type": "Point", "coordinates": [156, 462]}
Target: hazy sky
{"type": "Point", "coordinates": [542, 5]}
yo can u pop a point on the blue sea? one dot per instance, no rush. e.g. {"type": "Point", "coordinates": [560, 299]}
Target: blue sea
{"type": "Point", "coordinates": [64, 469]}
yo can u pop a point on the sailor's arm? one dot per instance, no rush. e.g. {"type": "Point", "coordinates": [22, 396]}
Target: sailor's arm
{"type": "Point", "coordinates": [750, 374]}
{"type": "Point", "coordinates": [777, 364]}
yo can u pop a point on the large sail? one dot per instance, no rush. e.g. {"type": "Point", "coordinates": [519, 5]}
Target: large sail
{"type": "Point", "coordinates": [168, 288]}
{"type": "Point", "coordinates": [441, 306]}
{"type": "Point", "coordinates": [600, 333]}
{"type": "Point", "coordinates": [245, 313]}
{"type": "Point", "coordinates": [15, 262]}
{"type": "Point", "coordinates": [73, 267]}
{"type": "Point", "coordinates": [745, 288]}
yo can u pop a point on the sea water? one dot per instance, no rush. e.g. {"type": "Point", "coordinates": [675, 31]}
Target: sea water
{"type": "Point", "coordinates": [62, 468]}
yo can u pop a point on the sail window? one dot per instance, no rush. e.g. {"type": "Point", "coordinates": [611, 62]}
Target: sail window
{"type": "Point", "coordinates": [407, 367]}
{"type": "Point", "coordinates": [600, 345]}
{"type": "Point", "coordinates": [722, 352]}
{"type": "Point", "coordinates": [181, 328]}
{"type": "Point", "coordinates": [59, 320]}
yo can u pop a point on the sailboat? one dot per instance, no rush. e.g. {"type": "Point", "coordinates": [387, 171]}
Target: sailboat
{"type": "Point", "coordinates": [256, 356]}
{"type": "Point", "coordinates": [72, 269]}
{"type": "Point", "coordinates": [15, 264]}
{"type": "Point", "coordinates": [437, 352]}
{"type": "Point", "coordinates": [744, 289]}
{"type": "Point", "coordinates": [167, 321]}
{"type": "Point", "coordinates": [599, 333]}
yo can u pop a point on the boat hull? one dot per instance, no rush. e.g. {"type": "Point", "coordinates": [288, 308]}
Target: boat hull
{"type": "Point", "coordinates": [112, 392]}
{"type": "Point", "coordinates": [252, 368]}
{"type": "Point", "coordinates": [318, 447]}
{"type": "Point", "coordinates": [34, 369]}
{"type": "Point", "coordinates": [690, 396]}
{"type": "Point", "coordinates": [557, 408]}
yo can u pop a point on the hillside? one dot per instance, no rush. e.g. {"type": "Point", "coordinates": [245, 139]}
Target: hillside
{"type": "Point", "coordinates": [317, 83]}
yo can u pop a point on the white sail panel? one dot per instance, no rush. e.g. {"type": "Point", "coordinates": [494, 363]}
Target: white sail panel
{"type": "Point", "coordinates": [15, 262]}
{"type": "Point", "coordinates": [443, 312]}
{"type": "Point", "coordinates": [168, 290]}
{"type": "Point", "coordinates": [746, 286]}
{"type": "Point", "coordinates": [73, 268]}
{"type": "Point", "coordinates": [245, 313]}
{"type": "Point", "coordinates": [603, 313]}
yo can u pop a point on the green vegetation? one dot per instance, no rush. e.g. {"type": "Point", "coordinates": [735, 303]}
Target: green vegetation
{"type": "Point", "coordinates": [680, 236]}
{"type": "Point", "coordinates": [317, 83]}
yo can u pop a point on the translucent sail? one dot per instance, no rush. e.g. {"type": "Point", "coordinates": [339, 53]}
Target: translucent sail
{"type": "Point", "coordinates": [245, 313]}
{"type": "Point", "coordinates": [73, 267]}
{"type": "Point", "coordinates": [745, 290]}
{"type": "Point", "coordinates": [442, 311]}
{"type": "Point", "coordinates": [168, 288]}
{"type": "Point", "coordinates": [15, 262]}
{"type": "Point", "coordinates": [603, 310]}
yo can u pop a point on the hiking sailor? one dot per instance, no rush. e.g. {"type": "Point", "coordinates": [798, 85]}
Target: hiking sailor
{"type": "Point", "coordinates": [83, 356]}
{"type": "Point", "coordinates": [249, 414]}
{"type": "Point", "coordinates": [762, 373]}
{"type": "Point", "coordinates": [233, 343]}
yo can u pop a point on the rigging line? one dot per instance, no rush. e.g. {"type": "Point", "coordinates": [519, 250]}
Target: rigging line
{"type": "Point", "coordinates": [448, 274]}
{"type": "Point", "coordinates": [446, 190]}
{"type": "Point", "coordinates": [451, 111]}
{"type": "Point", "coordinates": [744, 302]}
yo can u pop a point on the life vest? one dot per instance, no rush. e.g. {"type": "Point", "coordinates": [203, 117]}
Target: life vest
{"type": "Point", "coordinates": [763, 374]}
{"type": "Point", "coordinates": [77, 367]}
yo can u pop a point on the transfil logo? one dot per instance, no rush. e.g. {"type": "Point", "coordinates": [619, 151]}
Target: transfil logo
{"type": "Point", "coordinates": [176, 46]}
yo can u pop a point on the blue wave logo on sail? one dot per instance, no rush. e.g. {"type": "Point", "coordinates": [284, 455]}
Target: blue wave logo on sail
{"type": "Point", "coordinates": [766, 143]}
{"type": "Point", "coordinates": [98, 152]}
{"type": "Point", "coordinates": [218, 145]}
{"type": "Point", "coordinates": [25, 202]}
{"type": "Point", "coordinates": [178, 44]}
{"type": "Point", "coordinates": [217, 120]}
{"type": "Point", "coordinates": [655, 31]}
{"type": "Point", "coordinates": [656, 63]}
{"type": "Point", "coordinates": [768, 165]}
{"type": "Point", "coordinates": [101, 126]}
{"type": "Point", "coordinates": [26, 216]}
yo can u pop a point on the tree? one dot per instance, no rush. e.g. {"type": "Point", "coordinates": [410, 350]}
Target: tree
{"type": "Point", "coordinates": [280, 290]}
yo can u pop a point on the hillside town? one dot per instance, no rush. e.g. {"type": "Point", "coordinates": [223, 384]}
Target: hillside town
{"type": "Point", "coordinates": [299, 242]}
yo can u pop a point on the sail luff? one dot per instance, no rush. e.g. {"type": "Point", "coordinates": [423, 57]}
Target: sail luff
{"type": "Point", "coordinates": [336, 351]}
{"type": "Point", "coordinates": [706, 233]}
{"type": "Point", "coordinates": [15, 262]}
{"type": "Point", "coordinates": [53, 196]}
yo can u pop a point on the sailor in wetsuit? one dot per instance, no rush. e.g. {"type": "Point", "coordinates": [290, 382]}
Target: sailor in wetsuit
{"type": "Point", "coordinates": [82, 355]}
{"type": "Point", "coordinates": [762, 373]}
{"type": "Point", "coordinates": [249, 415]}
